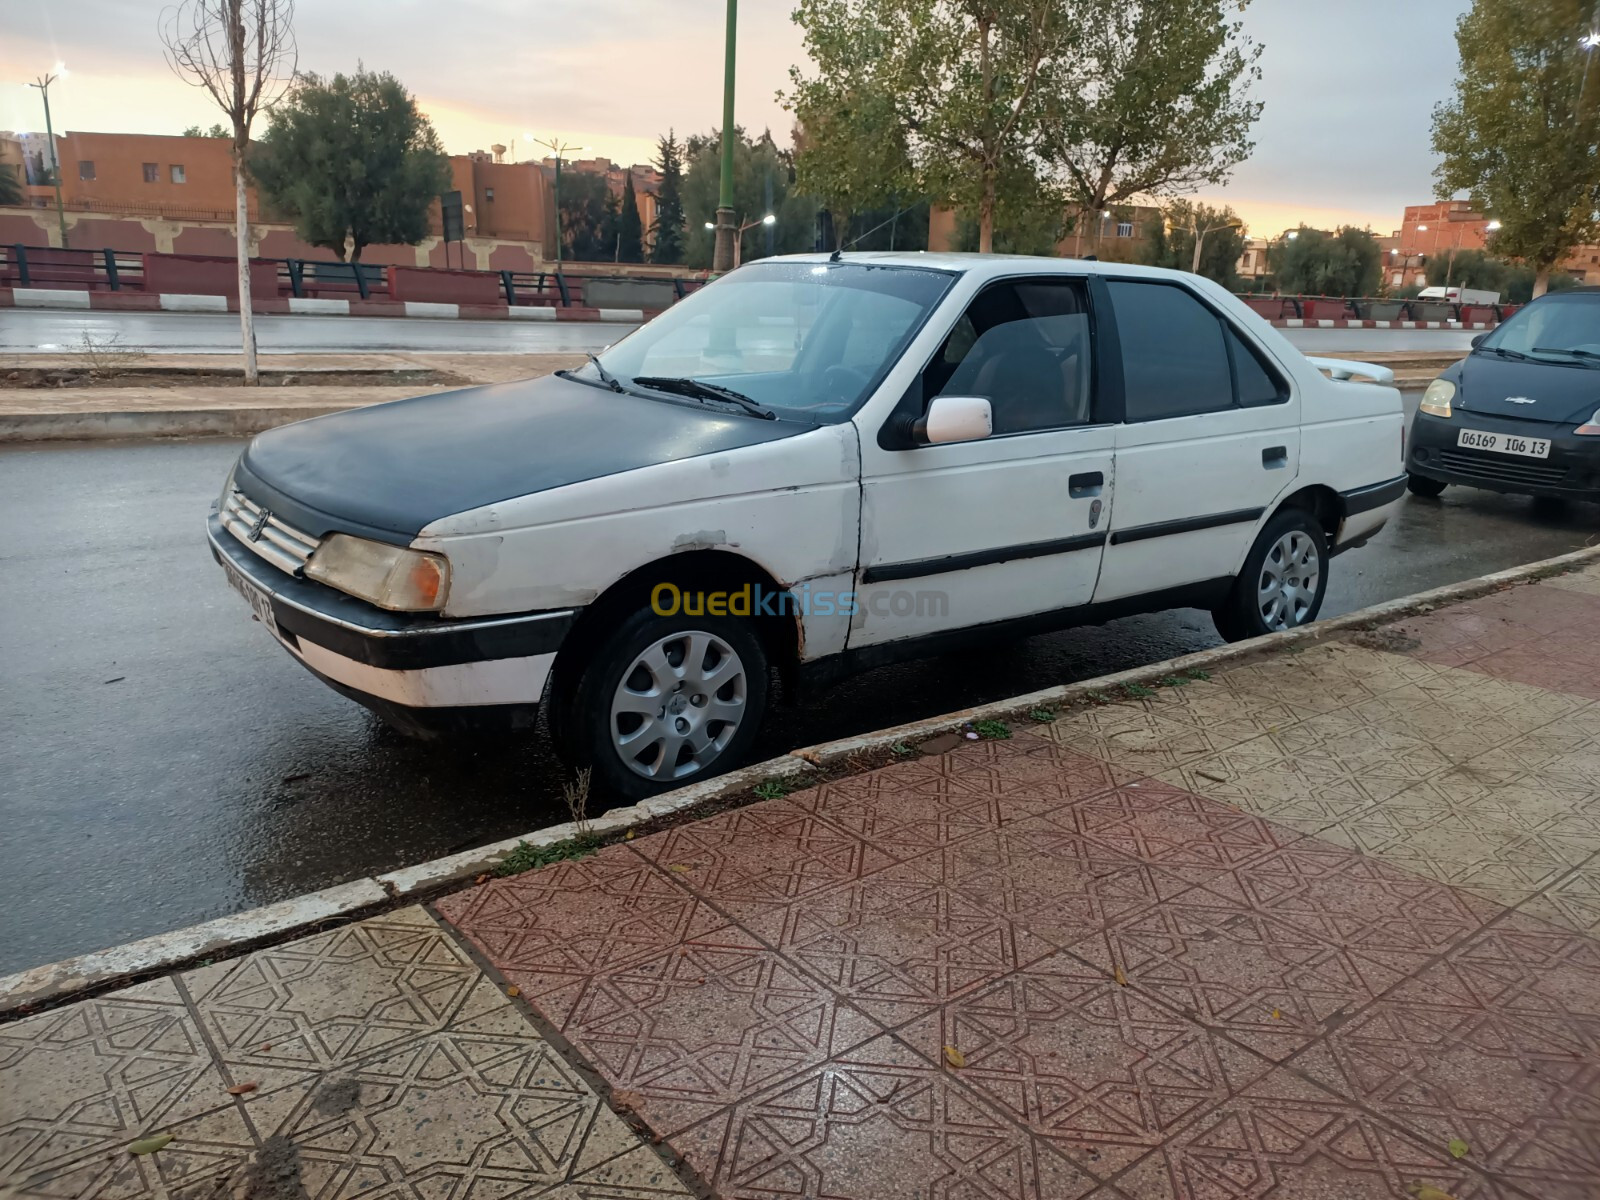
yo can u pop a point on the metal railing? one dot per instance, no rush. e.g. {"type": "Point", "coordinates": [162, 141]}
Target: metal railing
{"type": "Point", "coordinates": [1373, 308]}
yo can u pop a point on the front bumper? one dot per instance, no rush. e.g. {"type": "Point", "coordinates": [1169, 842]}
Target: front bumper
{"type": "Point", "coordinates": [1571, 472]}
{"type": "Point", "coordinates": [420, 672]}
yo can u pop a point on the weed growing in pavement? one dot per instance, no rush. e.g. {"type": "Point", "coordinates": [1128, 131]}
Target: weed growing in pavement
{"type": "Point", "coordinates": [1137, 691]}
{"type": "Point", "coordinates": [998, 730]}
{"type": "Point", "coordinates": [1198, 673]}
{"type": "Point", "coordinates": [576, 795]}
{"type": "Point", "coordinates": [1098, 696]}
{"type": "Point", "coordinates": [524, 857]}
{"type": "Point", "coordinates": [772, 789]}
{"type": "Point", "coordinates": [1042, 715]}
{"type": "Point", "coordinates": [108, 357]}
{"type": "Point", "coordinates": [1174, 681]}
{"type": "Point", "coordinates": [903, 749]}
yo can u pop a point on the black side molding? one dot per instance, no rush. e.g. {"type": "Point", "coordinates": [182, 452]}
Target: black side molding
{"type": "Point", "coordinates": [917, 568]}
{"type": "Point", "coordinates": [1375, 495]}
{"type": "Point", "coordinates": [1141, 533]}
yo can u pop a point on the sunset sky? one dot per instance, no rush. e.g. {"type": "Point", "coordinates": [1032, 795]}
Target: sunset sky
{"type": "Point", "coordinates": [1348, 86]}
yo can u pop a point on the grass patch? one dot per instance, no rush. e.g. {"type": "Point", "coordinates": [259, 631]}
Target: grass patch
{"type": "Point", "coordinates": [993, 729]}
{"type": "Point", "coordinates": [1042, 715]}
{"type": "Point", "coordinates": [1198, 673]}
{"type": "Point", "coordinates": [1137, 691]}
{"type": "Point", "coordinates": [1174, 681]}
{"type": "Point", "coordinates": [524, 857]}
{"type": "Point", "coordinates": [1098, 696]}
{"type": "Point", "coordinates": [772, 789]}
{"type": "Point", "coordinates": [903, 749]}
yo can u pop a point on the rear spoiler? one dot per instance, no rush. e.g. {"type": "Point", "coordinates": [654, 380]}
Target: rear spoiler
{"type": "Point", "coordinates": [1344, 368]}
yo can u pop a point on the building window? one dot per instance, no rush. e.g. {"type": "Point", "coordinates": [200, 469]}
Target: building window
{"type": "Point", "coordinates": [85, 169]}
{"type": "Point", "coordinates": [1124, 228]}
{"type": "Point", "coordinates": [488, 195]}
{"type": "Point", "coordinates": [152, 173]}
{"type": "Point", "coordinates": [175, 171]}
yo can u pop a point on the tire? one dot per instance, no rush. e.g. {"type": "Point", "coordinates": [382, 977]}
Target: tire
{"type": "Point", "coordinates": [1421, 485]}
{"type": "Point", "coordinates": [1262, 600]}
{"type": "Point", "coordinates": [610, 707]}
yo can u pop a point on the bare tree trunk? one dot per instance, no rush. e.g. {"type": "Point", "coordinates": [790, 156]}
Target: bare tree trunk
{"type": "Point", "coordinates": [986, 214]}
{"type": "Point", "coordinates": [247, 323]}
{"type": "Point", "coordinates": [1541, 281]}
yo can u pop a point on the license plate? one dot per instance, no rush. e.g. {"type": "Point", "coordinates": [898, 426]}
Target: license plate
{"type": "Point", "coordinates": [260, 602]}
{"type": "Point", "coordinates": [1504, 443]}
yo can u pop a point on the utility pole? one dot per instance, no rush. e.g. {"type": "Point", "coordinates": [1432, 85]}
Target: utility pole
{"type": "Point", "coordinates": [727, 231]}
{"type": "Point", "coordinates": [558, 147]}
{"type": "Point", "coordinates": [43, 85]}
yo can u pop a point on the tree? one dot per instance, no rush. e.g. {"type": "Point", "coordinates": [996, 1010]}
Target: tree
{"type": "Point", "coordinates": [667, 229]}
{"type": "Point", "coordinates": [1467, 269]}
{"type": "Point", "coordinates": [949, 92]}
{"type": "Point", "coordinates": [1159, 100]}
{"type": "Point", "coordinates": [353, 162]}
{"type": "Point", "coordinates": [1171, 242]}
{"type": "Point", "coordinates": [630, 231]}
{"type": "Point", "coordinates": [756, 164]}
{"type": "Point", "coordinates": [588, 217]}
{"type": "Point", "coordinates": [851, 155]}
{"type": "Point", "coordinates": [242, 53]}
{"type": "Point", "coordinates": [216, 131]}
{"type": "Point", "coordinates": [1318, 263]}
{"type": "Point", "coordinates": [1522, 134]}
{"type": "Point", "coordinates": [10, 185]}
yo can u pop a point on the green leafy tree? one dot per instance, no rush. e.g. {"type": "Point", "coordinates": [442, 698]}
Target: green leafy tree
{"type": "Point", "coordinates": [755, 164]}
{"type": "Point", "coordinates": [667, 229]}
{"type": "Point", "coordinates": [1171, 242]}
{"type": "Point", "coordinates": [1521, 136]}
{"type": "Point", "coordinates": [1520, 279]}
{"type": "Point", "coordinates": [947, 92]}
{"type": "Point", "coordinates": [10, 185]}
{"type": "Point", "coordinates": [1156, 101]}
{"type": "Point", "coordinates": [352, 161]}
{"type": "Point", "coordinates": [216, 130]}
{"type": "Point", "coordinates": [630, 229]}
{"type": "Point", "coordinates": [1318, 263]}
{"type": "Point", "coordinates": [1468, 269]}
{"type": "Point", "coordinates": [588, 217]}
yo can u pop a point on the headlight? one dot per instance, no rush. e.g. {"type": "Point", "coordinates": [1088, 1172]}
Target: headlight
{"type": "Point", "coordinates": [1591, 427]}
{"type": "Point", "coordinates": [389, 576]}
{"type": "Point", "coordinates": [1436, 400]}
{"type": "Point", "coordinates": [227, 487]}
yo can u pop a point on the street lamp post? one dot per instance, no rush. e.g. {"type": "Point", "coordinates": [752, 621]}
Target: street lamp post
{"type": "Point", "coordinates": [724, 255]}
{"type": "Point", "coordinates": [738, 237]}
{"type": "Point", "coordinates": [43, 84]}
{"type": "Point", "coordinates": [1200, 239]}
{"type": "Point", "coordinates": [558, 147]}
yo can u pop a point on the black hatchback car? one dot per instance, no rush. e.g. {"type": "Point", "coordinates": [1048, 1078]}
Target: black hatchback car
{"type": "Point", "coordinates": [1518, 414]}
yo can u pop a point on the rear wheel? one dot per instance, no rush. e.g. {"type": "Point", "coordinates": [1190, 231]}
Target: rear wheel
{"type": "Point", "coordinates": [665, 701]}
{"type": "Point", "coordinates": [1421, 485]}
{"type": "Point", "coordinates": [1284, 579]}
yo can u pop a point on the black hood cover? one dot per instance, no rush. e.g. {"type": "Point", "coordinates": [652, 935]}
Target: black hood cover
{"type": "Point", "coordinates": [389, 470]}
{"type": "Point", "coordinates": [1563, 393]}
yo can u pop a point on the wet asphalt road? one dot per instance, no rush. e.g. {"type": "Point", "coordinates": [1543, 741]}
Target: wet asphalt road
{"type": "Point", "coordinates": [163, 762]}
{"type": "Point", "coordinates": [60, 331]}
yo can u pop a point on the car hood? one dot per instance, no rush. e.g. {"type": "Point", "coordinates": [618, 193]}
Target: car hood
{"type": "Point", "coordinates": [1501, 387]}
{"type": "Point", "coordinates": [388, 470]}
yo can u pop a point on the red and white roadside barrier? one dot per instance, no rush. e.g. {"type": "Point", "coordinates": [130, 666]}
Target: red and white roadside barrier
{"type": "Point", "coordinates": [1324, 323]}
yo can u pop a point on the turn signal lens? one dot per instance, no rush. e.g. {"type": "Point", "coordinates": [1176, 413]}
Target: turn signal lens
{"type": "Point", "coordinates": [1591, 427]}
{"type": "Point", "coordinates": [1436, 400]}
{"type": "Point", "coordinates": [391, 577]}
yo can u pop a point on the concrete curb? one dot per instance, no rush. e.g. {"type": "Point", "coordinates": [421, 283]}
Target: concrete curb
{"type": "Point", "coordinates": [103, 969]}
{"type": "Point", "coordinates": [78, 298]}
{"type": "Point", "coordinates": [198, 422]}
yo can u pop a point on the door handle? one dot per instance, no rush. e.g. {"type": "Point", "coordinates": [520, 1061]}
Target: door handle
{"type": "Point", "coordinates": [1087, 484]}
{"type": "Point", "coordinates": [1274, 457]}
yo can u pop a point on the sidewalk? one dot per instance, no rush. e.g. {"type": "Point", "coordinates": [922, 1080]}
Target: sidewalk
{"type": "Point", "coordinates": [1323, 925]}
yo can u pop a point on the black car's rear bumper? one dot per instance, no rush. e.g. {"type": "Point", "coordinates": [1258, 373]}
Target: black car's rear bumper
{"type": "Point", "coordinates": [1572, 471]}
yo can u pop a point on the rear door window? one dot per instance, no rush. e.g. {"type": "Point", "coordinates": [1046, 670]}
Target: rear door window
{"type": "Point", "coordinates": [1174, 357]}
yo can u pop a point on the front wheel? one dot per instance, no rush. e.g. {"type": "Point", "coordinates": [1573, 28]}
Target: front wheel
{"type": "Point", "coordinates": [667, 701]}
{"type": "Point", "coordinates": [1284, 579]}
{"type": "Point", "coordinates": [1421, 485]}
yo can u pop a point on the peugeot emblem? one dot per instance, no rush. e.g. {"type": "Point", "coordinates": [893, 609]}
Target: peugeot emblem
{"type": "Point", "coordinates": [1519, 400]}
{"type": "Point", "coordinates": [260, 523]}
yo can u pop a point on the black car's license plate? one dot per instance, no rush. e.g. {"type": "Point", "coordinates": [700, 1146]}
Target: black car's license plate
{"type": "Point", "coordinates": [1504, 443]}
{"type": "Point", "coordinates": [260, 602]}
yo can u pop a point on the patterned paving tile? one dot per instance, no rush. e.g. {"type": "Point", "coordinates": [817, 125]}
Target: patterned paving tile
{"type": "Point", "coordinates": [1269, 983]}
{"type": "Point", "coordinates": [879, 1121]}
{"type": "Point", "coordinates": [1565, 751]}
{"type": "Point", "coordinates": [1030, 771]}
{"type": "Point", "coordinates": [551, 930]}
{"type": "Point", "coordinates": [1549, 663]}
{"type": "Point", "coordinates": [77, 1084]}
{"type": "Point", "coordinates": [1571, 902]}
{"type": "Point", "coordinates": [1298, 792]}
{"type": "Point", "coordinates": [1385, 760]}
{"type": "Point", "coordinates": [1465, 634]}
{"type": "Point", "coordinates": [1144, 736]}
{"type": "Point", "coordinates": [1286, 1139]}
{"type": "Point", "coordinates": [1096, 1069]}
{"type": "Point", "coordinates": [1318, 680]}
{"type": "Point", "coordinates": [1586, 581]}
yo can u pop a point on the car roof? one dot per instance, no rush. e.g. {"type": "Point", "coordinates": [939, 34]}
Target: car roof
{"type": "Point", "coordinates": [985, 265]}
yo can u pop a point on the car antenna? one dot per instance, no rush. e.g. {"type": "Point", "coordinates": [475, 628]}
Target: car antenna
{"type": "Point", "coordinates": [834, 257]}
{"type": "Point", "coordinates": [838, 251]}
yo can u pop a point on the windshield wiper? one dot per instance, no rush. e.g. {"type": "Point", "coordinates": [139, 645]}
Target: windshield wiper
{"type": "Point", "coordinates": [1503, 352]}
{"type": "Point", "coordinates": [1590, 355]}
{"type": "Point", "coordinates": [704, 391]}
{"type": "Point", "coordinates": [607, 379]}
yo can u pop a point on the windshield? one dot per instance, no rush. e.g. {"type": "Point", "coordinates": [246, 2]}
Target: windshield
{"type": "Point", "coordinates": [1559, 328]}
{"type": "Point", "coordinates": [807, 340]}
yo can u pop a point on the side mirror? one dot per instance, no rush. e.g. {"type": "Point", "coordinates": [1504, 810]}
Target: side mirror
{"type": "Point", "coordinates": [1476, 338]}
{"type": "Point", "coordinates": [955, 419]}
